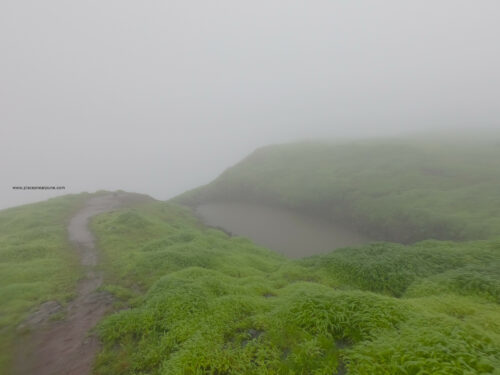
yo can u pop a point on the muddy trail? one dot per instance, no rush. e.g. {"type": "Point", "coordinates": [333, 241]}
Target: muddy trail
{"type": "Point", "coordinates": [67, 346]}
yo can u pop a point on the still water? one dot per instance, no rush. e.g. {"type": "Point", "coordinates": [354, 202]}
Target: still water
{"type": "Point", "coordinates": [285, 231]}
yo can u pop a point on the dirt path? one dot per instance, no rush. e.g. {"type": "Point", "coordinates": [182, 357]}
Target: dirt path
{"type": "Point", "coordinates": [65, 347]}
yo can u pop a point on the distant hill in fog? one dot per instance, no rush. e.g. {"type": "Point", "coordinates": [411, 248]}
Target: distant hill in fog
{"type": "Point", "coordinates": [404, 190]}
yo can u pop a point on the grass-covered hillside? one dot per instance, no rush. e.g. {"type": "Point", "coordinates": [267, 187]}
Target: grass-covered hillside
{"type": "Point", "coordinates": [395, 190]}
{"type": "Point", "coordinates": [191, 300]}
{"type": "Point", "coordinates": [196, 301]}
{"type": "Point", "coordinates": [37, 264]}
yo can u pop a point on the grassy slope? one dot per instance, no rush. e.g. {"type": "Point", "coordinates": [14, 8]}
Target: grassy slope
{"type": "Point", "coordinates": [204, 303]}
{"type": "Point", "coordinates": [395, 190]}
{"type": "Point", "coordinates": [36, 262]}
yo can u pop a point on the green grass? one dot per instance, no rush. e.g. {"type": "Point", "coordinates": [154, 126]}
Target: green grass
{"type": "Point", "coordinates": [200, 302]}
{"type": "Point", "coordinates": [470, 268]}
{"type": "Point", "coordinates": [37, 263]}
{"type": "Point", "coordinates": [192, 300]}
{"type": "Point", "coordinates": [399, 190]}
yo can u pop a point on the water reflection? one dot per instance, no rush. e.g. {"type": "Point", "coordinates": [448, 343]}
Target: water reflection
{"type": "Point", "coordinates": [288, 232]}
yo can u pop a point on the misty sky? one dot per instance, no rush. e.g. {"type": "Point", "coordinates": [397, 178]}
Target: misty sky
{"type": "Point", "coordinates": [161, 96]}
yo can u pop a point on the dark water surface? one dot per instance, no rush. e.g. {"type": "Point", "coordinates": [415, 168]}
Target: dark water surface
{"type": "Point", "coordinates": [285, 231]}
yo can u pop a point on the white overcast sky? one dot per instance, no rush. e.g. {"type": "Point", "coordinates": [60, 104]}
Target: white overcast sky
{"type": "Point", "coordinates": [161, 96]}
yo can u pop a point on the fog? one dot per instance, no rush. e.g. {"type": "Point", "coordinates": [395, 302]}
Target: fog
{"type": "Point", "coordinates": [161, 96]}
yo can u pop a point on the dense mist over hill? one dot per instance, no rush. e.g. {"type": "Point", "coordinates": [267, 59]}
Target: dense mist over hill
{"type": "Point", "coordinates": [161, 97]}
{"type": "Point", "coordinates": [246, 188]}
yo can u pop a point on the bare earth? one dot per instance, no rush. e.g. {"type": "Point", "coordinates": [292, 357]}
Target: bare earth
{"type": "Point", "coordinates": [66, 347]}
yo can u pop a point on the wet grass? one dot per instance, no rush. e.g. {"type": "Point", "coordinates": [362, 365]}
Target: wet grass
{"type": "Point", "coordinates": [466, 268]}
{"type": "Point", "coordinates": [201, 302]}
{"type": "Point", "coordinates": [37, 263]}
{"type": "Point", "coordinates": [193, 300]}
